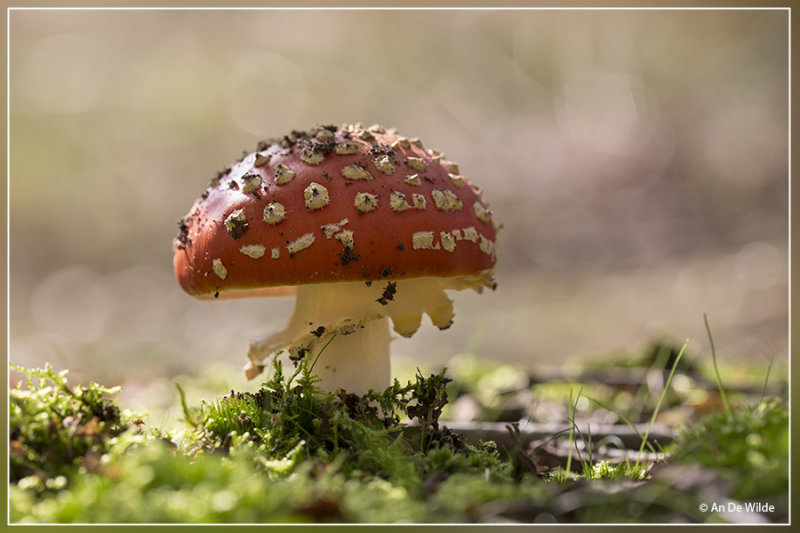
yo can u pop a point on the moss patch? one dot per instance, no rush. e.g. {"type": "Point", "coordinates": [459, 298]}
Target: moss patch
{"type": "Point", "coordinates": [290, 452]}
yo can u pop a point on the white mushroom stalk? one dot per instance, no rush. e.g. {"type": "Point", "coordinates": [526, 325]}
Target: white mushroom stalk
{"type": "Point", "coordinates": [344, 327]}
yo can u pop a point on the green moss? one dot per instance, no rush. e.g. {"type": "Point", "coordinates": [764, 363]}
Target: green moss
{"type": "Point", "coordinates": [56, 430]}
{"type": "Point", "coordinates": [290, 452]}
{"type": "Point", "coordinates": [749, 447]}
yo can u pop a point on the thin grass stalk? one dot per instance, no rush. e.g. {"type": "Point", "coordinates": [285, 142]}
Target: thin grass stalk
{"type": "Point", "coordinates": [766, 379]}
{"type": "Point", "coordinates": [572, 406]}
{"type": "Point", "coordinates": [660, 401]}
{"type": "Point", "coordinates": [716, 368]}
{"type": "Point", "coordinates": [623, 418]}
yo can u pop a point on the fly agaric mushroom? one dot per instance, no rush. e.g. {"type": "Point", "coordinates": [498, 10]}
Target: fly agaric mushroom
{"type": "Point", "coordinates": [369, 226]}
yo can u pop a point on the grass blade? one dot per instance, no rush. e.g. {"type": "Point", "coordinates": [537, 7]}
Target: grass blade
{"type": "Point", "coordinates": [766, 379]}
{"type": "Point", "coordinates": [716, 369]}
{"type": "Point", "coordinates": [311, 369]}
{"type": "Point", "coordinates": [571, 435]}
{"type": "Point", "coordinates": [623, 418]}
{"type": "Point", "coordinates": [660, 400]}
{"type": "Point", "coordinates": [572, 407]}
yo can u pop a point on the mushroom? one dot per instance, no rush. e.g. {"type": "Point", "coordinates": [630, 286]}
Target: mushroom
{"type": "Point", "coordinates": [365, 226]}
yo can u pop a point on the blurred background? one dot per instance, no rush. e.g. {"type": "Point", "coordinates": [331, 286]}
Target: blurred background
{"type": "Point", "coordinates": [636, 159]}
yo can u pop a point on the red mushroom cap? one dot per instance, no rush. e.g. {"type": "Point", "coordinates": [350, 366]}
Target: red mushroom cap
{"type": "Point", "coordinates": [333, 204]}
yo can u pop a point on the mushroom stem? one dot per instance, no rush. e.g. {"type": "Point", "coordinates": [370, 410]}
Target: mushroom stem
{"type": "Point", "coordinates": [346, 314]}
{"type": "Point", "coordinates": [356, 362]}
{"type": "Point", "coordinates": [346, 325]}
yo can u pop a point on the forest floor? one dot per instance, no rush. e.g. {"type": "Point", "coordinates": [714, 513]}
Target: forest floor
{"type": "Point", "coordinates": [658, 439]}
